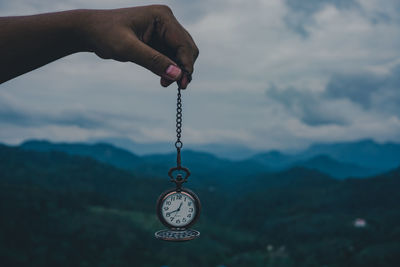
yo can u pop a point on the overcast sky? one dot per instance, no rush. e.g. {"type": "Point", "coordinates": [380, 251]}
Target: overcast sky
{"type": "Point", "coordinates": [272, 74]}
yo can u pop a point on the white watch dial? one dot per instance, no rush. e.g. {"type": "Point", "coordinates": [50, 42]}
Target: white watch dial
{"type": "Point", "coordinates": [178, 209]}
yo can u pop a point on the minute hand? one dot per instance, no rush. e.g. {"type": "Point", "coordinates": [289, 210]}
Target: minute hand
{"type": "Point", "coordinates": [178, 209]}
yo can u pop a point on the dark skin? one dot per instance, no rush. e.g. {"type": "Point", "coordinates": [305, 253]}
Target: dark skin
{"type": "Point", "coordinates": [149, 36]}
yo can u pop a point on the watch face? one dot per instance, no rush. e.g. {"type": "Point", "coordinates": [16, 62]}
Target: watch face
{"type": "Point", "coordinates": [178, 209]}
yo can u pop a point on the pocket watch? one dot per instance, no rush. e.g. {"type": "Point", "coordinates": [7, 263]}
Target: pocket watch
{"type": "Point", "coordinates": [178, 208]}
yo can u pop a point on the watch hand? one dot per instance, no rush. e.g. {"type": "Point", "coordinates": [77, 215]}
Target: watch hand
{"type": "Point", "coordinates": [180, 206]}
{"type": "Point", "coordinates": [177, 210]}
{"type": "Point", "coordinates": [171, 212]}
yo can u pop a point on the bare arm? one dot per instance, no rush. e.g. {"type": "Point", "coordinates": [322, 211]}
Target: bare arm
{"type": "Point", "coordinates": [149, 36]}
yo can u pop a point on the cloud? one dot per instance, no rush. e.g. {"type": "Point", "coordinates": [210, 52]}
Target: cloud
{"type": "Point", "coordinates": [312, 6]}
{"type": "Point", "coordinates": [335, 82]}
{"type": "Point", "coordinates": [301, 12]}
{"type": "Point", "coordinates": [307, 106]}
{"type": "Point", "coordinates": [12, 115]}
{"type": "Point", "coordinates": [345, 99]}
{"type": "Point", "coordinates": [358, 88]}
{"type": "Point", "coordinates": [370, 91]}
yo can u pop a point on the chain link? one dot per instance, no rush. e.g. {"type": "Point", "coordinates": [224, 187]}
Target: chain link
{"type": "Point", "coordinates": [178, 143]}
{"type": "Point", "coordinates": [180, 179]}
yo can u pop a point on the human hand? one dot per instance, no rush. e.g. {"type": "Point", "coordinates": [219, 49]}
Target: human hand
{"type": "Point", "coordinates": [149, 36]}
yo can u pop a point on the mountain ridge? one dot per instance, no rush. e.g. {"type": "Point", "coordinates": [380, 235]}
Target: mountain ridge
{"type": "Point", "coordinates": [326, 158]}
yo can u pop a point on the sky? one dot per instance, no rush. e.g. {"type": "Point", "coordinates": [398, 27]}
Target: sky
{"type": "Point", "coordinates": [272, 74]}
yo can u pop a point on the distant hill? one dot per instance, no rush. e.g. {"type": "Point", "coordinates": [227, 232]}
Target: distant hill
{"type": "Point", "coordinates": [228, 151]}
{"type": "Point", "coordinates": [335, 168]}
{"type": "Point", "coordinates": [366, 153]}
{"type": "Point", "coordinates": [341, 160]}
{"type": "Point", "coordinates": [102, 152]}
{"type": "Point", "coordinates": [276, 160]}
{"type": "Point", "coordinates": [213, 171]}
{"type": "Point", "coordinates": [361, 158]}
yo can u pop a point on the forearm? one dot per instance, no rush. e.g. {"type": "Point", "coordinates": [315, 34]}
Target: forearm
{"type": "Point", "coordinates": [29, 42]}
{"type": "Point", "coordinates": [149, 36]}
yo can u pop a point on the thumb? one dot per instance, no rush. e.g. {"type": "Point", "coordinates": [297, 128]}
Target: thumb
{"type": "Point", "coordinates": [154, 61]}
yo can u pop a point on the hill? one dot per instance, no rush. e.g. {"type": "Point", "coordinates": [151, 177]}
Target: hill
{"type": "Point", "coordinates": [335, 168]}
{"type": "Point", "coordinates": [102, 152]}
{"type": "Point", "coordinates": [343, 159]}
{"type": "Point", "coordinates": [212, 170]}
{"type": "Point", "coordinates": [205, 164]}
{"type": "Point", "coordinates": [367, 153]}
{"type": "Point", "coordinates": [64, 210]}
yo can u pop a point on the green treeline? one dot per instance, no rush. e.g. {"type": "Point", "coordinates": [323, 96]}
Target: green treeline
{"type": "Point", "coordinates": [63, 210]}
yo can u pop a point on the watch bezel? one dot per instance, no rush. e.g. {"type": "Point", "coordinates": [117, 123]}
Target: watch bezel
{"type": "Point", "coordinates": [165, 194]}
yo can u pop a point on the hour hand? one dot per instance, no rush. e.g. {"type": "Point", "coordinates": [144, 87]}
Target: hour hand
{"type": "Point", "coordinates": [179, 207]}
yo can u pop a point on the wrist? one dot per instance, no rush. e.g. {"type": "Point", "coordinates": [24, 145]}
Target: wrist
{"type": "Point", "coordinates": [79, 21]}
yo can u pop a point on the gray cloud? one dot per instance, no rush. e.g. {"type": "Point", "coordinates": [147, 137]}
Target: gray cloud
{"type": "Point", "coordinates": [11, 116]}
{"type": "Point", "coordinates": [379, 94]}
{"type": "Point", "coordinates": [311, 6]}
{"type": "Point", "coordinates": [306, 106]}
{"type": "Point", "coordinates": [301, 12]}
{"type": "Point", "coordinates": [193, 11]}
{"type": "Point", "coordinates": [358, 88]}
{"type": "Point", "coordinates": [370, 91]}
{"type": "Point", "coordinates": [90, 120]}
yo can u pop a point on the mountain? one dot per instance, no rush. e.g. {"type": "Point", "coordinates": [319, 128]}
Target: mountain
{"type": "Point", "coordinates": [102, 152]}
{"type": "Point", "coordinates": [206, 168]}
{"type": "Point", "coordinates": [276, 160]}
{"type": "Point", "coordinates": [324, 213]}
{"type": "Point", "coordinates": [361, 158]}
{"type": "Point", "coordinates": [335, 168]}
{"type": "Point", "coordinates": [228, 151]}
{"type": "Point", "coordinates": [294, 177]}
{"type": "Point", "coordinates": [366, 153]}
{"type": "Point", "coordinates": [135, 147]}
{"type": "Point", "coordinates": [67, 210]}
{"type": "Point", "coordinates": [340, 160]}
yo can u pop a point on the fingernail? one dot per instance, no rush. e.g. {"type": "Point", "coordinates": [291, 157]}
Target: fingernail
{"type": "Point", "coordinates": [173, 72]}
{"type": "Point", "coordinates": [184, 82]}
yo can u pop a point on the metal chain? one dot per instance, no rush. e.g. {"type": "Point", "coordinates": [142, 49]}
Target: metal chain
{"type": "Point", "coordinates": [180, 179]}
{"type": "Point", "coordinates": [178, 143]}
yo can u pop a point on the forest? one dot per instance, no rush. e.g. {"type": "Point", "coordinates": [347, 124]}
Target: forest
{"type": "Point", "coordinates": [91, 209]}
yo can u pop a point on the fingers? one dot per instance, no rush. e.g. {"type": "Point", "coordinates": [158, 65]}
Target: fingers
{"type": "Point", "coordinates": [159, 44]}
{"type": "Point", "coordinates": [165, 82]}
{"type": "Point", "coordinates": [177, 38]}
{"type": "Point", "coordinates": [186, 59]}
{"type": "Point", "coordinates": [187, 53]}
{"type": "Point", "coordinates": [151, 59]}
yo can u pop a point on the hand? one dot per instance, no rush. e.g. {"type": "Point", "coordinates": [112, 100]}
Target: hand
{"type": "Point", "coordinates": [180, 206]}
{"type": "Point", "coordinates": [149, 36]}
{"type": "Point", "coordinates": [178, 209]}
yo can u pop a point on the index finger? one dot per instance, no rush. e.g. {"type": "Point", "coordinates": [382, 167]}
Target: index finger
{"type": "Point", "coordinates": [181, 42]}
